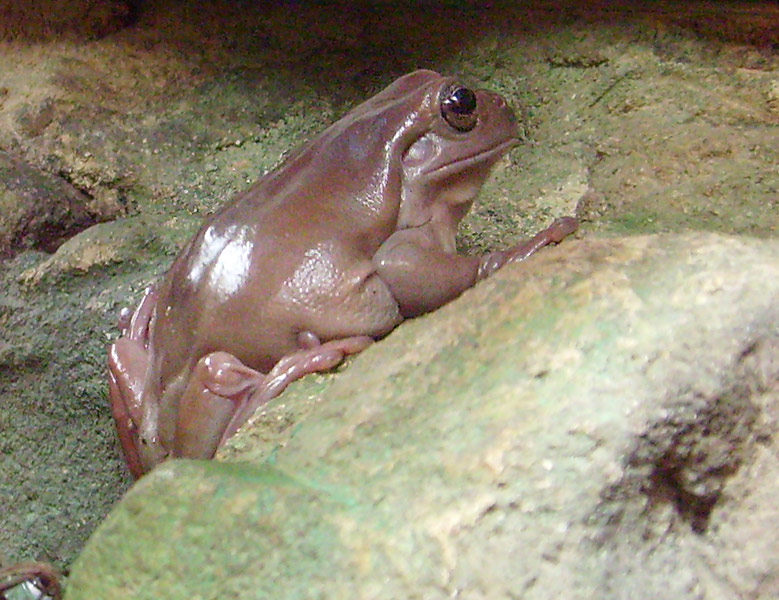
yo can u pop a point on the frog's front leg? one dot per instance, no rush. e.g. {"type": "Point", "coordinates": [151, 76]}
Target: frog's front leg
{"type": "Point", "coordinates": [422, 276]}
{"type": "Point", "coordinates": [128, 359]}
{"type": "Point", "coordinates": [222, 392]}
{"type": "Point", "coordinates": [554, 234]}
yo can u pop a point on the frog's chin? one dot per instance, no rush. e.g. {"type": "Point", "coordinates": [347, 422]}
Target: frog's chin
{"type": "Point", "coordinates": [442, 197]}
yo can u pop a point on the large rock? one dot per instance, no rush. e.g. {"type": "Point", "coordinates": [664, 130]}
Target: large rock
{"type": "Point", "coordinates": [599, 422]}
{"type": "Point", "coordinates": [37, 210]}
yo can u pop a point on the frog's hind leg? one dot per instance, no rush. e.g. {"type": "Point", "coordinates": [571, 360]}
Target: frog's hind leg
{"type": "Point", "coordinates": [314, 357]}
{"type": "Point", "coordinates": [218, 387]}
{"type": "Point", "coordinates": [223, 393]}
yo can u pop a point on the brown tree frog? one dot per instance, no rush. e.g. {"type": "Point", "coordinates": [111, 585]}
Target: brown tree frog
{"type": "Point", "coordinates": [349, 236]}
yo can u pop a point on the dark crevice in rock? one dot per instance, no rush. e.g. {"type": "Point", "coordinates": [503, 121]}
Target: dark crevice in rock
{"type": "Point", "coordinates": [690, 455]}
{"type": "Point", "coordinates": [70, 180]}
{"type": "Point", "coordinates": [47, 19]}
{"type": "Point", "coordinates": [50, 236]}
{"type": "Point", "coordinates": [686, 458]}
{"type": "Point", "coordinates": [667, 484]}
{"type": "Point", "coordinates": [40, 210]}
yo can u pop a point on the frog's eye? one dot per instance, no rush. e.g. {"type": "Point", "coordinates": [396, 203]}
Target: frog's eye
{"type": "Point", "coordinates": [459, 108]}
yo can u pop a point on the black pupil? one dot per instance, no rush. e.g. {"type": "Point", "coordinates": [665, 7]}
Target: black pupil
{"type": "Point", "coordinates": [462, 101]}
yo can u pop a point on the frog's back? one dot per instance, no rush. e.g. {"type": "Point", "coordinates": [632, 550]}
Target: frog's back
{"type": "Point", "coordinates": [256, 274]}
{"type": "Point", "coordinates": [294, 252]}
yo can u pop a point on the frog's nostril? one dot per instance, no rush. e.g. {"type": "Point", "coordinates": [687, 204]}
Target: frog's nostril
{"type": "Point", "coordinates": [496, 100]}
{"type": "Point", "coordinates": [501, 105]}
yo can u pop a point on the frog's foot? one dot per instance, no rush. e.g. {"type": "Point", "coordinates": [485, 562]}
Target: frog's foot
{"type": "Point", "coordinates": [135, 325]}
{"type": "Point", "coordinates": [128, 358]}
{"type": "Point", "coordinates": [223, 393]}
{"type": "Point", "coordinates": [42, 576]}
{"type": "Point", "coordinates": [554, 234]}
{"type": "Point", "coordinates": [126, 368]}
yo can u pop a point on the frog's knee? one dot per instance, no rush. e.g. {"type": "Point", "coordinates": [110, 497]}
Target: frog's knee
{"type": "Point", "coordinates": [225, 375]}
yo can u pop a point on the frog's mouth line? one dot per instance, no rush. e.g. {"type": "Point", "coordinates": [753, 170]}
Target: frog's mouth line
{"type": "Point", "coordinates": [479, 157]}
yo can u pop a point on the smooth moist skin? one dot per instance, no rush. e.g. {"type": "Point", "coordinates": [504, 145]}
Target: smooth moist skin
{"type": "Point", "coordinates": [353, 233]}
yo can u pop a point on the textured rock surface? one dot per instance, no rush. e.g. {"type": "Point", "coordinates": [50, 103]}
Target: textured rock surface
{"type": "Point", "coordinates": [48, 19]}
{"type": "Point", "coordinates": [37, 210]}
{"type": "Point", "coordinates": [598, 422]}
